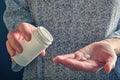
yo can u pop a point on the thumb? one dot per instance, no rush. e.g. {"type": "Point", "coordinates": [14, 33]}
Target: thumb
{"type": "Point", "coordinates": [110, 64]}
{"type": "Point", "coordinates": [43, 53]}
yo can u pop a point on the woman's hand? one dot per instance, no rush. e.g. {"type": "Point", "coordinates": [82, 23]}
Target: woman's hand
{"type": "Point", "coordinates": [90, 58]}
{"type": "Point", "coordinates": [15, 38]}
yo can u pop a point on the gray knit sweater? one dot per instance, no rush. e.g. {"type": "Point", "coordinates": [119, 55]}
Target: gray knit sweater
{"type": "Point", "coordinates": [73, 24]}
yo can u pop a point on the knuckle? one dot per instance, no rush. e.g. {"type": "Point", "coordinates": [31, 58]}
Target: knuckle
{"type": "Point", "coordinates": [9, 34]}
{"type": "Point", "coordinates": [6, 42]}
{"type": "Point", "coordinates": [9, 49]}
{"type": "Point", "coordinates": [22, 25]}
{"type": "Point", "coordinates": [77, 53]}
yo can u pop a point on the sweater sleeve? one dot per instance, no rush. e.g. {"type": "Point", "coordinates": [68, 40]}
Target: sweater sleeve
{"type": "Point", "coordinates": [116, 33]}
{"type": "Point", "coordinates": [16, 12]}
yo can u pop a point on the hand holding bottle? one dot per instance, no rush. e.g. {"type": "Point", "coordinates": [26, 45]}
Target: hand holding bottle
{"type": "Point", "coordinates": [26, 43]}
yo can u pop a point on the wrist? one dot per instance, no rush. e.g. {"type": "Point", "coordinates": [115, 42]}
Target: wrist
{"type": "Point", "coordinates": [114, 43]}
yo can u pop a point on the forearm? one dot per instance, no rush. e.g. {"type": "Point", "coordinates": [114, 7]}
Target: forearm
{"type": "Point", "coordinates": [115, 43]}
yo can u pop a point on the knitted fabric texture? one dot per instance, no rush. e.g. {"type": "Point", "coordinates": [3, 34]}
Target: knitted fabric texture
{"type": "Point", "coordinates": [73, 24]}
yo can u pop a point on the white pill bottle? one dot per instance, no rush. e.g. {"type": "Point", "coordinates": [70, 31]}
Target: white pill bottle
{"type": "Point", "coordinates": [41, 39]}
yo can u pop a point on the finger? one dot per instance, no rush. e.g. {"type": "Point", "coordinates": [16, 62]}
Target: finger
{"type": "Point", "coordinates": [61, 57]}
{"type": "Point", "coordinates": [79, 55]}
{"type": "Point", "coordinates": [10, 50]}
{"type": "Point", "coordinates": [83, 53]}
{"type": "Point", "coordinates": [86, 49]}
{"type": "Point", "coordinates": [108, 67]}
{"type": "Point", "coordinates": [14, 39]}
{"type": "Point", "coordinates": [26, 30]}
{"type": "Point", "coordinates": [110, 64]}
{"type": "Point", "coordinates": [80, 65]}
{"type": "Point", "coordinates": [43, 53]}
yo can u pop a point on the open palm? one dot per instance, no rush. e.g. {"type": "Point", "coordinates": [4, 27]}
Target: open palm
{"type": "Point", "coordinates": [90, 58]}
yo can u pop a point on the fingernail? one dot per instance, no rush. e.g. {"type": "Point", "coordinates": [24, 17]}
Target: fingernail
{"type": "Point", "coordinates": [19, 50]}
{"type": "Point", "coordinates": [27, 38]}
{"type": "Point", "coordinates": [107, 69]}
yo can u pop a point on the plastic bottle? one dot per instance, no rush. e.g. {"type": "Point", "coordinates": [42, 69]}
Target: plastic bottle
{"type": "Point", "coordinates": [41, 39]}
